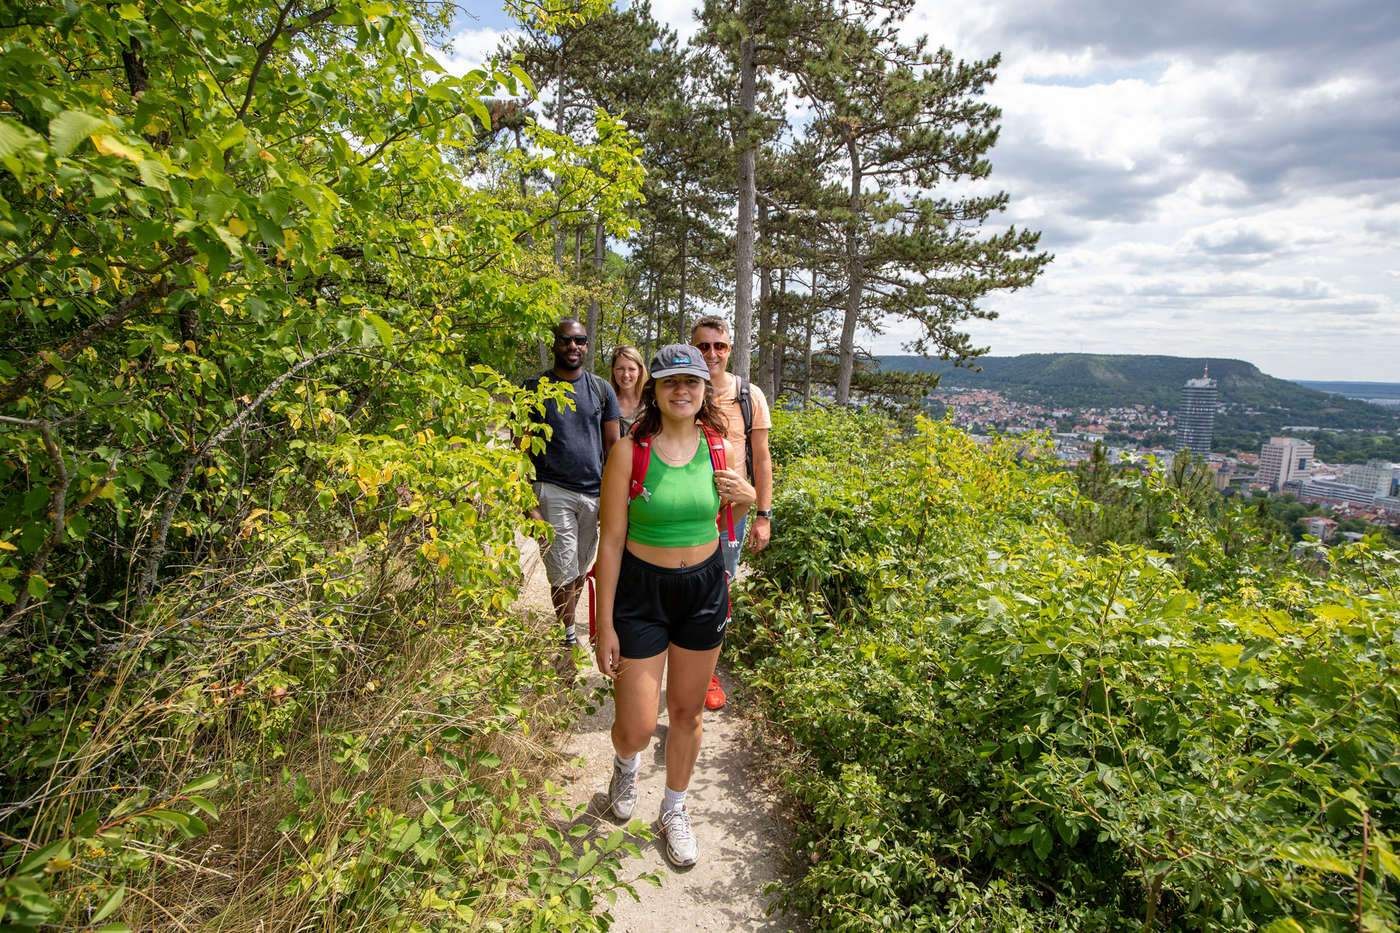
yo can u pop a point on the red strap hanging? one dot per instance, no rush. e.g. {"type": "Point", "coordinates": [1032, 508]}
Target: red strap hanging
{"type": "Point", "coordinates": [725, 520]}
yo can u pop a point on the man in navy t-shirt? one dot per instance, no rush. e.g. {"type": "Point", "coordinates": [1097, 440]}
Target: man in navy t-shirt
{"type": "Point", "coordinates": [569, 472]}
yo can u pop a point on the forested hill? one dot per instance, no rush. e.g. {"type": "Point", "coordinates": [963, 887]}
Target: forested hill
{"type": "Point", "coordinates": [1098, 380]}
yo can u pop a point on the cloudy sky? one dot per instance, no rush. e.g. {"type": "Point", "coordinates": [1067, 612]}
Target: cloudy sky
{"type": "Point", "coordinates": [1215, 177]}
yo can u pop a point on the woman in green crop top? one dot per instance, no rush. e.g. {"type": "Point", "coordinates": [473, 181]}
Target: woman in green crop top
{"type": "Point", "coordinates": [662, 600]}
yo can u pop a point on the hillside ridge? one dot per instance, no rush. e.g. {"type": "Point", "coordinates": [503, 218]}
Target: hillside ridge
{"type": "Point", "coordinates": [1109, 380]}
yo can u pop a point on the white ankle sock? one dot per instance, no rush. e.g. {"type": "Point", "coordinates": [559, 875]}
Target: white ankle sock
{"type": "Point", "coordinates": [673, 800]}
{"type": "Point", "coordinates": [629, 765]}
{"type": "Point", "coordinates": [569, 634]}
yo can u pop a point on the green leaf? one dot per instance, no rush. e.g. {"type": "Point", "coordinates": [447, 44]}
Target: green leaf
{"type": "Point", "coordinates": [235, 134]}
{"type": "Point", "coordinates": [70, 128]}
{"type": "Point", "coordinates": [479, 111]}
{"type": "Point", "coordinates": [61, 848]}
{"type": "Point", "coordinates": [38, 587]}
{"type": "Point", "coordinates": [113, 901]}
{"type": "Point", "coordinates": [14, 137]}
{"type": "Point", "coordinates": [1041, 841]}
{"type": "Point", "coordinates": [200, 785]}
{"type": "Point", "coordinates": [153, 174]}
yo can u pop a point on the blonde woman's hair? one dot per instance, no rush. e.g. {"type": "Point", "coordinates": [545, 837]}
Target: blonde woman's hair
{"type": "Point", "coordinates": [627, 351]}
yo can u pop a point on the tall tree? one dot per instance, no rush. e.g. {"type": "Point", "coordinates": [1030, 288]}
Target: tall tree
{"type": "Point", "coordinates": [910, 123]}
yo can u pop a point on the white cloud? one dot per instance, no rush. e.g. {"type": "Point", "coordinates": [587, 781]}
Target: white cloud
{"type": "Point", "coordinates": [472, 47]}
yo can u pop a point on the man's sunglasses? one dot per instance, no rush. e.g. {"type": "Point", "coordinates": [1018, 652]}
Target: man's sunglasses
{"type": "Point", "coordinates": [578, 340]}
{"type": "Point", "coordinates": [705, 347]}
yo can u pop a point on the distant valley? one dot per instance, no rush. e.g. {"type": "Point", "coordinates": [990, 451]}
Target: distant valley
{"type": "Point", "coordinates": [1254, 404]}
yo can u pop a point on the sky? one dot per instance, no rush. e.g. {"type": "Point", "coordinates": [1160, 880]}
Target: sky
{"type": "Point", "coordinates": [1216, 178]}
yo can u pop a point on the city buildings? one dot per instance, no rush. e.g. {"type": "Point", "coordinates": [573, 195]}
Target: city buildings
{"type": "Point", "coordinates": [1376, 477]}
{"type": "Point", "coordinates": [1283, 460]}
{"type": "Point", "coordinates": [1195, 425]}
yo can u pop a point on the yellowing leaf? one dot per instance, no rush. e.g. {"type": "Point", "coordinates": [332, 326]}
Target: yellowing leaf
{"type": "Point", "coordinates": [53, 381]}
{"type": "Point", "coordinates": [108, 491]}
{"type": "Point", "coordinates": [110, 145]}
{"type": "Point", "coordinates": [7, 546]}
{"type": "Point", "coordinates": [236, 226]}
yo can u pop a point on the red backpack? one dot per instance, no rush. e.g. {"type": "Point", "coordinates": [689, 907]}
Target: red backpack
{"type": "Point", "coordinates": [641, 459]}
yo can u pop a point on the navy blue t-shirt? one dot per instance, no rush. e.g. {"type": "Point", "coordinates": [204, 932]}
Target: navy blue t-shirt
{"type": "Point", "coordinates": [573, 457]}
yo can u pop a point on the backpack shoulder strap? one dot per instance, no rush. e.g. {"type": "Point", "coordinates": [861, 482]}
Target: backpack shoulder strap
{"type": "Point", "coordinates": [746, 410]}
{"type": "Point", "coordinates": [641, 459]}
{"type": "Point", "coordinates": [725, 520]}
{"type": "Point", "coordinates": [741, 395]}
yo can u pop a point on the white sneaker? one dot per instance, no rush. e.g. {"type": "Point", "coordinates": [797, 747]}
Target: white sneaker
{"type": "Point", "coordinates": [622, 792]}
{"type": "Point", "coordinates": [682, 850]}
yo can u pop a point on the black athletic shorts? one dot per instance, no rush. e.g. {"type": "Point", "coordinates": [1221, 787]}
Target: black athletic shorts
{"type": "Point", "coordinates": [660, 606]}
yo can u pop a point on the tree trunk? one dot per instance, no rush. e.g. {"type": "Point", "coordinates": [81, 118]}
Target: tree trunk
{"type": "Point", "coordinates": [777, 352]}
{"type": "Point", "coordinates": [653, 291]}
{"type": "Point", "coordinates": [743, 253]}
{"type": "Point", "coordinates": [595, 326]}
{"type": "Point", "coordinates": [807, 356]}
{"type": "Point", "coordinates": [854, 281]}
{"type": "Point", "coordinates": [765, 307]}
{"type": "Point", "coordinates": [559, 128]}
{"type": "Point", "coordinates": [681, 335]}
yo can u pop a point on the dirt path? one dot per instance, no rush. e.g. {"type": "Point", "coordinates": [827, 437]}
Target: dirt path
{"type": "Point", "coordinates": [738, 820]}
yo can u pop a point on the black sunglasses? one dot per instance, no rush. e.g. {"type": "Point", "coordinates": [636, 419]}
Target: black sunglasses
{"type": "Point", "coordinates": [719, 346]}
{"type": "Point", "coordinates": [578, 340]}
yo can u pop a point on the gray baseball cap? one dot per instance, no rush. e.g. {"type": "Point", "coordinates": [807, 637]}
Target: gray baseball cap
{"type": "Point", "coordinates": [676, 359]}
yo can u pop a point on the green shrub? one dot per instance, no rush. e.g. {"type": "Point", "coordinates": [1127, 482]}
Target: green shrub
{"type": "Point", "coordinates": [1002, 728]}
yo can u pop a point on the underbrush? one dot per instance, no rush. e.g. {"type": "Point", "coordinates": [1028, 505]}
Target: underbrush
{"type": "Point", "coordinates": [1004, 726]}
{"type": "Point", "coordinates": [333, 721]}
{"type": "Point", "coordinates": [409, 791]}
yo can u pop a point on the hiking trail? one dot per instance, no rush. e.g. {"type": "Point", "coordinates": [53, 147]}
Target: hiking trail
{"type": "Point", "coordinates": [738, 817]}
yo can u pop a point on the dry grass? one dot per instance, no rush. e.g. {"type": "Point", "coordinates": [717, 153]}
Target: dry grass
{"type": "Point", "coordinates": [434, 692]}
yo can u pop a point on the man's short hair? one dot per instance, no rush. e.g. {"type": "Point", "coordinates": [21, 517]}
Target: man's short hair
{"type": "Point", "coordinates": [565, 322]}
{"type": "Point", "coordinates": [712, 321]}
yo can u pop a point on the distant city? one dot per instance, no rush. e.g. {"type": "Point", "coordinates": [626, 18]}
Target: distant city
{"type": "Point", "coordinates": [1284, 465]}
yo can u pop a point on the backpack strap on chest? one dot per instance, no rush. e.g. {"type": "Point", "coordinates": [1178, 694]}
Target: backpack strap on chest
{"type": "Point", "coordinates": [725, 520]}
{"type": "Point", "coordinates": [641, 459]}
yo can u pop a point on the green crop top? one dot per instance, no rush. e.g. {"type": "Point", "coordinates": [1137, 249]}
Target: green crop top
{"type": "Point", "coordinates": [680, 504]}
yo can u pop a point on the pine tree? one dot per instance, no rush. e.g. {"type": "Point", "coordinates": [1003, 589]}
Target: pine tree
{"type": "Point", "coordinates": [908, 122]}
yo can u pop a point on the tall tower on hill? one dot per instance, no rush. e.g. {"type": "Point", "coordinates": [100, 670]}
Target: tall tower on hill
{"type": "Point", "coordinates": [1195, 423]}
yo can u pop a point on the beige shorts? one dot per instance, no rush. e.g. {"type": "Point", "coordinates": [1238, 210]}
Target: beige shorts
{"type": "Point", "coordinates": [574, 518]}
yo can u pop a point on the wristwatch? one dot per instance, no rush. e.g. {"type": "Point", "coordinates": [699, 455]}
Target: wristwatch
{"type": "Point", "coordinates": [763, 513]}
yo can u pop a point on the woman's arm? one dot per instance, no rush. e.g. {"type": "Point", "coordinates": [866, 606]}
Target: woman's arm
{"type": "Point", "coordinates": [733, 488]}
{"type": "Point", "coordinates": [612, 538]}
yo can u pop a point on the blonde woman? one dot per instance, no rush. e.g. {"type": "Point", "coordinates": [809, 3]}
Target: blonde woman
{"type": "Point", "coordinates": [662, 593]}
{"type": "Point", "coordinates": [629, 374]}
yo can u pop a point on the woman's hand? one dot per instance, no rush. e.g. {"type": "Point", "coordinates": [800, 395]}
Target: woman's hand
{"type": "Point", "coordinates": [606, 651]}
{"type": "Point", "coordinates": [734, 489]}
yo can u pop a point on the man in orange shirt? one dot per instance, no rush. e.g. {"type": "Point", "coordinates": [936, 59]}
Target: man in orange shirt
{"type": "Point", "coordinates": [711, 336]}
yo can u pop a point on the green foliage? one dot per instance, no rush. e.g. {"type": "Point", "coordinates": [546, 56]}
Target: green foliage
{"type": "Point", "coordinates": [258, 279]}
{"type": "Point", "coordinates": [1001, 727]}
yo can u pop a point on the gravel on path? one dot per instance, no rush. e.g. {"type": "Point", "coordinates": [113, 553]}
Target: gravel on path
{"type": "Point", "coordinates": [739, 819]}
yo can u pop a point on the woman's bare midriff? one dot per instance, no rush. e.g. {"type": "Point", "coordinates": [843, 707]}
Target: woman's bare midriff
{"type": "Point", "coordinates": [672, 556]}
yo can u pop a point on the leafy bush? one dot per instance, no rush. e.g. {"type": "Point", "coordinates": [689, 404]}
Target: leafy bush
{"type": "Point", "coordinates": [1002, 728]}
{"type": "Point", "coordinates": [258, 278]}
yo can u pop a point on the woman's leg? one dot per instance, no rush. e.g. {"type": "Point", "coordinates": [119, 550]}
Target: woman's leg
{"type": "Point", "coordinates": [686, 683]}
{"type": "Point", "coordinates": [636, 692]}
